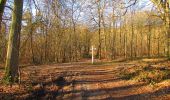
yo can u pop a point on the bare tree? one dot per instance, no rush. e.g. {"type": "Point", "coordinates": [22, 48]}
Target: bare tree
{"type": "Point", "coordinates": [163, 8]}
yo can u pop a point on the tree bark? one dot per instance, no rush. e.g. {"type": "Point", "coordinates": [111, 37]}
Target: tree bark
{"type": "Point", "coordinates": [99, 30]}
{"type": "Point", "coordinates": [12, 60]}
{"type": "Point", "coordinates": [149, 41]}
{"type": "Point", "coordinates": [2, 6]}
{"type": "Point", "coordinates": [132, 36]}
{"type": "Point", "coordinates": [167, 22]}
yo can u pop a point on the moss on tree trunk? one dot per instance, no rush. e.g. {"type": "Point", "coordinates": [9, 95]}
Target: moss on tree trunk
{"type": "Point", "coordinates": [12, 60]}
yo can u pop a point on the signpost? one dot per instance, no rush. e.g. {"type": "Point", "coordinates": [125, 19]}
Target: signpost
{"type": "Point", "coordinates": [92, 54]}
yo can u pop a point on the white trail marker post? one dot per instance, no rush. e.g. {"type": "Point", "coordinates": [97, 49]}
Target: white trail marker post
{"type": "Point", "coordinates": [92, 54]}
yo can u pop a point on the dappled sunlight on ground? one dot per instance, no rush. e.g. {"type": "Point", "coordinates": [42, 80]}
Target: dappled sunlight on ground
{"type": "Point", "coordinates": [84, 82]}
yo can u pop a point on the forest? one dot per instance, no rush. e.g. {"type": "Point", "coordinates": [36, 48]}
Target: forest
{"type": "Point", "coordinates": [84, 49]}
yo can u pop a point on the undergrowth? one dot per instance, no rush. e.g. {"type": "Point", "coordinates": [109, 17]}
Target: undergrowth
{"type": "Point", "coordinates": [146, 74]}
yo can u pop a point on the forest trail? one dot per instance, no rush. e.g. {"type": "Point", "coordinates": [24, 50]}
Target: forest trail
{"type": "Point", "coordinates": [102, 82]}
{"type": "Point", "coordinates": [84, 81]}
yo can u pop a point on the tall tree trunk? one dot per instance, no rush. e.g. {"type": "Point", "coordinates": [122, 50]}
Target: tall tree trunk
{"type": "Point", "coordinates": [168, 38]}
{"type": "Point", "coordinates": [136, 48]}
{"type": "Point", "coordinates": [141, 43]}
{"type": "Point", "coordinates": [2, 6]}
{"type": "Point", "coordinates": [99, 53]}
{"type": "Point", "coordinates": [158, 43]}
{"type": "Point", "coordinates": [164, 4]}
{"type": "Point", "coordinates": [99, 30]}
{"type": "Point", "coordinates": [149, 44]}
{"type": "Point", "coordinates": [113, 32]}
{"type": "Point", "coordinates": [125, 45]}
{"type": "Point", "coordinates": [120, 39]}
{"type": "Point", "coordinates": [12, 61]}
{"type": "Point", "coordinates": [31, 44]}
{"type": "Point", "coordinates": [46, 59]}
{"type": "Point", "coordinates": [167, 22]}
{"type": "Point", "coordinates": [132, 35]}
{"type": "Point", "coordinates": [132, 40]}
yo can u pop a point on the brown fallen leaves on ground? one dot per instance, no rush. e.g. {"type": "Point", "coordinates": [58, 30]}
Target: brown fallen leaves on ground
{"type": "Point", "coordinates": [80, 81]}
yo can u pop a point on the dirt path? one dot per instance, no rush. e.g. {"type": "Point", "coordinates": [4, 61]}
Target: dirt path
{"type": "Point", "coordinates": [102, 82]}
{"type": "Point", "coordinates": [93, 82]}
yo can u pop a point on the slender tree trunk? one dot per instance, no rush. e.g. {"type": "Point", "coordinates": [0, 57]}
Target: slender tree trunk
{"type": "Point", "coordinates": [120, 39]}
{"type": "Point", "coordinates": [99, 53]}
{"type": "Point", "coordinates": [105, 39]}
{"type": "Point", "coordinates": [46, 59]}
{"type": "Point", "coordinates": [32, 49]}
{"type": "Point", "coordinates": [149, 41]}
{"type": "Point", "coordinates": [168, 42]}
{"type": "Point", "coordinates": [132, 40]}
{"type": "Point", "coordinates": [132, 36]}
{"type": "Point", "coordinates": [99, 30]}
{"type": "Point", "coordinates": [30, 23]}
{"type": "Point", "coordinates": [113, 46]}
{"type": "Point", "coordinates": [141, 43]}
{"type": "Point", "coordinates": [12, 61]}
{"type": "Point", "coordinates": [125, 45]}
{"type": "Point", "coordinates": [136, 48]}
{"type": "Point", "coordinates": [167, 22]}
{"type": "Point", "coordinates": [158, 47]}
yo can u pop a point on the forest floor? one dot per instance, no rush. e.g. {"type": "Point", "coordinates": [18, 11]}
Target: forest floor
{"type": "Point", "coordinates": [101, 81]}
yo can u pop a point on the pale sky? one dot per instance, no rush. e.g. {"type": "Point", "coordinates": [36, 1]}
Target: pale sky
{"type": "Point", "coordinates": [145, 4]}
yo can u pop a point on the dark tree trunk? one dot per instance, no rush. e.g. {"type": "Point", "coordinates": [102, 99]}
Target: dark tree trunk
{"type": "Point", "coordinates": [2, 6]}
{"type": "Point", "coordinates": [12, 61]}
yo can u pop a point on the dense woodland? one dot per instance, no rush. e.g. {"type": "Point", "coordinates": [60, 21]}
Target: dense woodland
{"type": "Point", "coordinates": [41, 32]}
{"type": "Point", "coordinates": [64, 30]}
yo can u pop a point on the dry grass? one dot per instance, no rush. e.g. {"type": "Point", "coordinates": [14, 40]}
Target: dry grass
{"type": "Point", "coordinates": [147, 73]}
